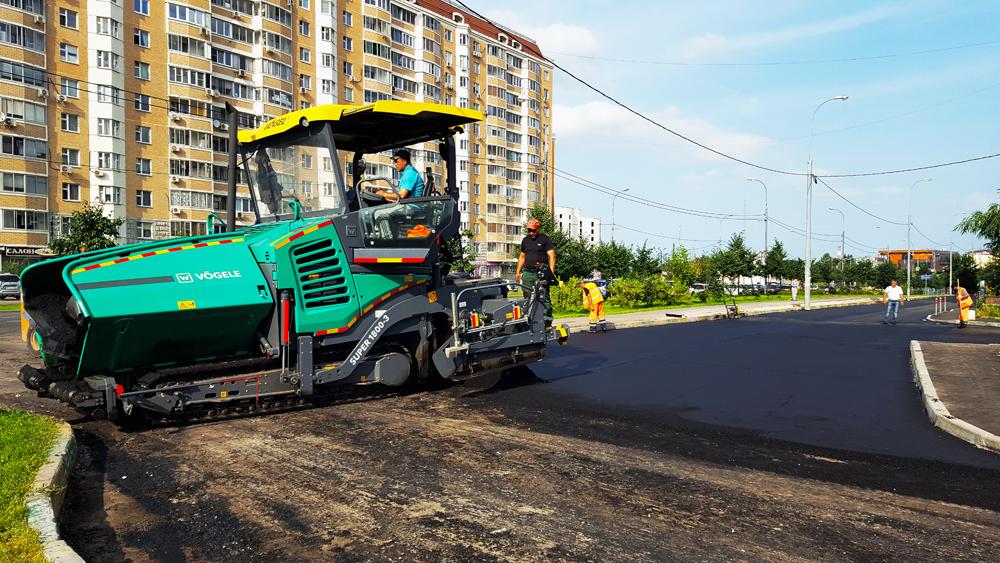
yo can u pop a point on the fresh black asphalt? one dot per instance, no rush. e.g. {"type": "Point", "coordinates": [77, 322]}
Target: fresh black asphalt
{"type": "Point", "coordinates": [833, 378]}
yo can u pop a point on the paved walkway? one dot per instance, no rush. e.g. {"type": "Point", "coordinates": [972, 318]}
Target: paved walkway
{"type": "Point", "coordinates": [967, 380]}
{"type": "Point", "coordinates": [688, 314]}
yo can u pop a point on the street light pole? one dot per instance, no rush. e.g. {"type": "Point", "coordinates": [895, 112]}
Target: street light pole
{"type": "Point", "coordinates": [909, 242]}
{"type": "Point", "coordinates": [613, 198]}
{"type": "Point", "coordinates": [809, 202]}
{"type": "Point", "coordinates": [843, 248]}
{"type": "Point", "coordinates": [765, 210]}
{"type": "Point", "coordinates": [950, 284]}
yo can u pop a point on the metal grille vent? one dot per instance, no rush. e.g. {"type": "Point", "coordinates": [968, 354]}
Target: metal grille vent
{"type": "Point", "coordinates": [320, 275]}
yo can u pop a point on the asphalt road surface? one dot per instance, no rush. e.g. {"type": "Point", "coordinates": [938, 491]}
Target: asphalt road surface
{"type": "Point", "coordinates": [793, 436]}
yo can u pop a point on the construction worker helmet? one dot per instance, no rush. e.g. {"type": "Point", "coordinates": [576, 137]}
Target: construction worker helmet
{"type": "Point", "coordinates": [533, 224]}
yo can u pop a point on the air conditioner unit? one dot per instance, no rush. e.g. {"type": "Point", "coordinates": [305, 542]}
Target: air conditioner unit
{"type": "Point", "coordinates": [7, 120]}
{"type": "Point", "coordinates": [204, 31]}
{"type": "Point", "coordinates": [43, 92]}
{"type": "Point", "coordinates": [216, 93]}
{"type": "Point", "coordinates": [240, 215]}
{"type": "Point", "coordinates": [268, 50]}
{"type": "Point", "coordinates": [61, 97]}
{"type": "Point", "coordinates": [64, 168]}
{"type": "Point", "coordinates": [218, 123]}
{"type": "Point", "coordinates": [175, 179]}
{"type": "Point", "coordinates": [175, 210]}
{"type": "Point", "coordinates": [236, 15]}
{"type": "Point", "coordinates": [174, 148]}
{"type": "Point", "coordinates": [99, 173]}
{"type": "Point", "coordinates": [40, 19]}
{"type": "Point", "coordinates": [209, 92]}
{"type": "Point", "coordinates": [241, 73]}
{"type": "Point", "coordinates": [175, 116]}
{"type": "Point", "coordinates": [303, 89]}
{"type": "Point", "coordinates": [289, 3]}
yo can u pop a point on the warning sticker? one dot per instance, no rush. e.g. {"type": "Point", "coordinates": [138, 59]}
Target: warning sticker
{"type": "Point", "coordinates": [181, 305]}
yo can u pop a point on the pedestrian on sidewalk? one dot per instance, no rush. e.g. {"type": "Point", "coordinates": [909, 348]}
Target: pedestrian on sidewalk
{"type": "Point", "coordinates": [594, 302]}
{"type": "Point", "coordinates": [795, 290]}
{"type": "Point", "coordinates": [964, 304]}
{"type": "Point", "coordinates": [892, 298]}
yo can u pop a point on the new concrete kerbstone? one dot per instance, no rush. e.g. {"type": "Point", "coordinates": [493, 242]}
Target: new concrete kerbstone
{"type": "Point", "coordinates": [49, 491]}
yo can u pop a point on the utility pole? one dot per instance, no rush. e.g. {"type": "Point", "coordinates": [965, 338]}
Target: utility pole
{"type": "Point", "coordinates": [809, 204]}
{"type": "Point", "coordinates": [843, 248]}
{"type": "Point", "coordinates": [613, 211]}
{"type": "Point", "coordinates": [950, 269]}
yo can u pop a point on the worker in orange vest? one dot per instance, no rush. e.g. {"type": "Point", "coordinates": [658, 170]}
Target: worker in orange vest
{"type": "Point", "coordinates": [964, 304]}
{"type": "Point", "coordinates": [594, 302]}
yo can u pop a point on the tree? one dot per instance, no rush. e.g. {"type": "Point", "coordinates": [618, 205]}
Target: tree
{"type": "Point", "coordinates": [645, 263]}
{"type": "Point", "coordinates": [736, 260]}
{"type": "Point", "coordinates": [775, 260]}
{"type": "Point", "coordinates": [574, 259]}
{"type": "Point", "coordinates": [966, 272]}
{"type": "Point", "coordinates": [985, 224]}
{"type": "Point", "coordinates": [613, 259]}
{"type": "Point", "coordinates": [861, 273]}
{"type": "Point", "coordinates": [89, 230]}
{"type": "Point", "coordinates": [794, 269]}
{"type": "Point", "coordinates": [14, 266]}
{"type": "Point", "coordinates": [680, 268]}
{"type": "Point", "coordinates": [885, 273]}
{"type": "Point", "coordinates": [465, 247]}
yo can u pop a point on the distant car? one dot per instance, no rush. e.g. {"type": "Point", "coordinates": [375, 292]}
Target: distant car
{"type": "Point", "coordinates": [604, 286]}
{"type": "Point", "coordinates": [10, 286]}
{"type": "Point", "coordinates": [697, 288]}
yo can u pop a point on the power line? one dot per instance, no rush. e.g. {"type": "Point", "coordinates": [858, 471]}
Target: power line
{"type": "Point", "coordinates": [856, 206]}
{"type": "Point", "coordinates": [932, 241]}
{"type": "Point", "coordinates": [785, 63]}
{"type": "Point", "coordinates": [664, 236]}
{"type": "Point", "coordinates": [904, 170]}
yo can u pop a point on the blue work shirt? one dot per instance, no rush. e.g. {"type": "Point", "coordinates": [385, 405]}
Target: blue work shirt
{"type": "Point", "coordinates": [411, 181]}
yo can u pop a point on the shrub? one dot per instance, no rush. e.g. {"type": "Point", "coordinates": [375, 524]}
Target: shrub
{"type": "Point", "coordinates": [988, 310]}
{"type": "Point", "coordinates": [629, 292]}
{"type": "Point", "coordinates": [567, 297]}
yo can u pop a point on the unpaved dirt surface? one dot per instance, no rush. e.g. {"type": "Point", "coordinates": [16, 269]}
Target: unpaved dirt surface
{"type": "Point", "coordinates": [467, 473]}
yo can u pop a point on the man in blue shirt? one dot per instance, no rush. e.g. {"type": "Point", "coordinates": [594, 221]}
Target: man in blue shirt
{"type": "Point", "coordinates": [410, 182]}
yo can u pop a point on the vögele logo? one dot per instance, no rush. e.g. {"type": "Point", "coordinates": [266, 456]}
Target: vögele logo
{"type": "Point", "coordinates": [184, 278]}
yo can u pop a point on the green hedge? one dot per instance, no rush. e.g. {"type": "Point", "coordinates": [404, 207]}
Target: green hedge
{"type": "Point", "coordinates": [627, 293]}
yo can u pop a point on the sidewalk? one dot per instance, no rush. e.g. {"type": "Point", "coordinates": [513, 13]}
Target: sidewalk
{"type": "Point", "coordinates": [951, 317]}
{"type": "Point", "coordinates": [708, 312]}
{"type": "Point", "coordinates": [961, 388]}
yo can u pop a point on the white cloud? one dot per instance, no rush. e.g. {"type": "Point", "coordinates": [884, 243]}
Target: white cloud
{"type": "Point", "coordinates": [709, 43]}
{"type": "Point", "coordinates": [598, 119]}
{"type": "Point", "coordinates": [979, 200]}
{"type": "Point", "coordinates": [564, 38]}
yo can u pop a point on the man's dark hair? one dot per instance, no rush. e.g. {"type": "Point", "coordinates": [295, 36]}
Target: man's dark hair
{"type": "Point", "coordinates": [403, 154]}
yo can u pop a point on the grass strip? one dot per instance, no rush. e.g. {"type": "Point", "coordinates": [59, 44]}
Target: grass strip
{"type": "Point", "coordinates": [25, 440]}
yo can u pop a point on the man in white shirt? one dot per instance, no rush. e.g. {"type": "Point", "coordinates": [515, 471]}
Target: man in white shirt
{"type": "Point", "coordinates": [892, 297]}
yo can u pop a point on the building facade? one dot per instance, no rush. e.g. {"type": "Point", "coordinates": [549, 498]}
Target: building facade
{"type": "Point", "coordinates": [122, 102]}
{"type": "Point", "coordinates": [572, 222]}
{"type": "Point", "coordinates": [934, 260]}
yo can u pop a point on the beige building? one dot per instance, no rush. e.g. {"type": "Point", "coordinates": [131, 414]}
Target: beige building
{"type": "Point", "coordinates": [121, 101]}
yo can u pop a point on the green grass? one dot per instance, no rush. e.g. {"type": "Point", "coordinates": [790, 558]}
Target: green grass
{"type": "Point", "coordinates": [613, 310]}
{"type": "Point", "coordinates": [24, 444]}
{"type": "Point", "coordinates": [14, 306]}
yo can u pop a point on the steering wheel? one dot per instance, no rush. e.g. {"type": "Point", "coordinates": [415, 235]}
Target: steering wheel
{"type": "Point", "coordinates": [393, 186]}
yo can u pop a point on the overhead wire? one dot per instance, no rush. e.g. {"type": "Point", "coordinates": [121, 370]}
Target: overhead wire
{"type": "Point", "coordinates": [856, 206]}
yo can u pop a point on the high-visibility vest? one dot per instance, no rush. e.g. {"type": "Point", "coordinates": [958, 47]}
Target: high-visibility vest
{"type": "Point", "coordinates": [592, 294]}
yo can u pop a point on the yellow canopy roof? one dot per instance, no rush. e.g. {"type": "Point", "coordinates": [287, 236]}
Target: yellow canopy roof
{"type": "Point", "coordinates": [372, 127]}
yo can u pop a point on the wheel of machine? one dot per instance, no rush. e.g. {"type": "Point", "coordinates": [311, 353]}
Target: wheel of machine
{"type": "Point", "coordinates": [32, 342]}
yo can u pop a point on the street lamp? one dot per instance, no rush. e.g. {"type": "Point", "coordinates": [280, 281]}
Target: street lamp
{"type": "Point", "coordinates": [765, 210]}
{"type": "Point", "coordinates": [843, 247]}
{"type": "Point", "coordinates": [721, 219]}
{"type": "Point", "coordinates": [809, 202]}
{"type": "Point", "coordinates": [613, 211]}
{"type": "Point", "coordinates": [909, 242]}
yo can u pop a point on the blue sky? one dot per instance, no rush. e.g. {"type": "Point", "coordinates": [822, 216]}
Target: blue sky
{"type": "Point", "coordinates": [903, 111]}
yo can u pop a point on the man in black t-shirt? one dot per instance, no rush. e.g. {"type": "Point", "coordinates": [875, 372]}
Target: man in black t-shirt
{"type": "Point", "coordinates": [537, 255]}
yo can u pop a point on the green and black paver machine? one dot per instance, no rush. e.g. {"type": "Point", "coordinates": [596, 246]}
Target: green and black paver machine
{"type": "Point", "coordinates": [331, 286]}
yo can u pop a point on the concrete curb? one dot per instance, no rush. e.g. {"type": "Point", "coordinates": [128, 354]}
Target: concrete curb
{"type": "Point", "coordinates": [48, 492]}
{"type": "Point", "coordinates": [969, 323]}
{"type": "Point", "coordinates": [938, 412]}
{"type": "Point", "coordinates": [583, 325]}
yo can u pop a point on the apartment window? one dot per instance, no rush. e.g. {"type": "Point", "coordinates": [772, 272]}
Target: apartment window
{"type": "Point", "coordinates": [25, 184]}
{"type": "Point", "coordinates": [70, 122]}
{"type": "Point", "coordinates": [71, 192]}
{"type": "Point", "coordinates": [108, 60]}
{"type": "Point", "coordinates": [348, 18]}
{"type": "Point", "coordinates": [109, 127]}
{"type": "Point", "coordinates": [305, 81]}
{"type": "Point", "coordinates": [141, 38]}
{"type": "Point", "coordinates": [348, 69]}
{"type": "Point", "coordinates": [111, 194]}
{"type": "Point", "coordinates": [143, 230]}
{"type": "Point", "coordinates": [326, 33]}
{"type": "Point", "coordinates": [108, 26]}
{"type": "Point", "coordinates": [304, 4]}
{"type": "Point", "coordinates": [24, 220]}
{"type": "Point", "coordinates": [326, 59]}
{"type": "Point", "coordinates": [305, 55]}
{"type": "Point", "coordinates": [144, 198]}
{"type": "Point", "coordinates": [19, 146]}
{"type": "Point", "coordinates": [69, 88]}
{"type": "Point", "coordinates": [68, 53]}
{"type": "Point", "coordinates": [348, 95]}
{"type": "Point", "coordinates": [348, 44]}
{"type": "Point", "coordinates": [326, 86]}
{"type": "Point", "coordinates": [109, 94]}
{"type": "Point", "coordinates": [141, 7]}
{"type": "Point", "coordinates": [141, 102]}
{"type": "Point", "coordinates": [68, 18]}
{"type": "Point", "coordinates": [304, 28]}
{"type": "Point", "coordinates": [70, 157]}
{"type": "Point", "coordinates": [143, 134]}
{"type": "Point", "coordinates": [142, 70]}
{"type": "Point", "coordinates": [307, 161]}
{"type": "Point", "coordinates": [144, 167]}
{"type": "Point", "coordinates": [326, 7]}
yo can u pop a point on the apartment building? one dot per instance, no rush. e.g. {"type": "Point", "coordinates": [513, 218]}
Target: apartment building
{"type": "Point", "coordinates": [122, 102]}
{"type": "Point", "coordinates": [571, 221]}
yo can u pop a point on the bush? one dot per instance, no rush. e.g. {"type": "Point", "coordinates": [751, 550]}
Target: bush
{"type": "Point", "coordinates": [629, 293]}
{"type": "Point", "coordinates": [567, 297]}
{"type": "Point", "coordinates": [988, 310]}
